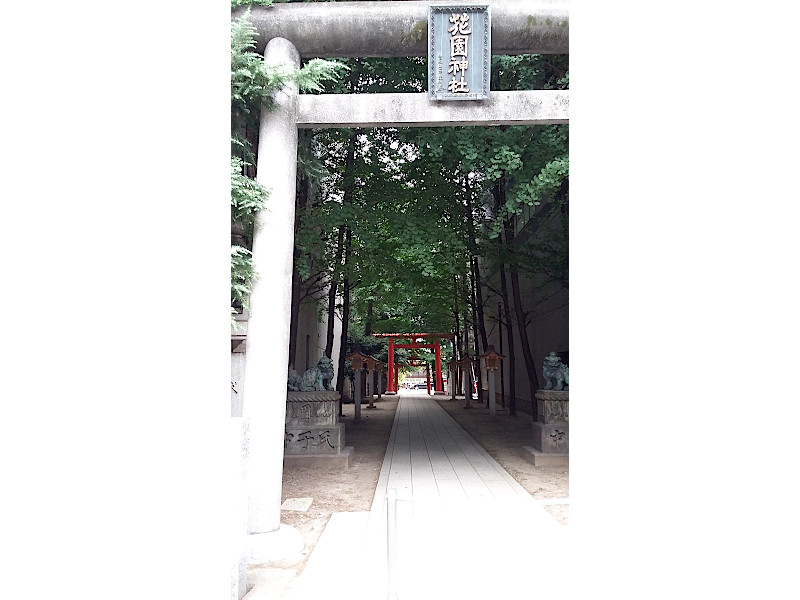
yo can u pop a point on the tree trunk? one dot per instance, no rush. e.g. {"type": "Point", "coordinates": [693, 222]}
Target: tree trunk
{"type": "Point", "coordinates": [519, 311]}
{"type": "Point", "coordinates": [368, 320]}
{"type": "Point", "coordinates": [499, 196]}
{"type": "Point", "coordinates": [533, 380]}
{"type": "Point", "coordinates": [476, 274]}
{"type": "Point", "coordinates": [348, 178]}
{"type": "Point", "coordinates": [477, 294]}
{"type": "Point", "coordinates": [303, 192]}
{"type": "Point", "coordinates": [295, 315]}
{"type": "Point", "coordinates": [479, 316]}
{"type": "Point", "coordinates": [345, 319]}
{"type": "Point", "coordinates": [501, 350]}
{"type": "Point", "coordinates": [478, 351]}
{"type": "Point", "coordinates": [332, 294]}
{"type": "Point", "coordinates": [457, 353]}
{"type": "Point", "coordinates": [512, 364]}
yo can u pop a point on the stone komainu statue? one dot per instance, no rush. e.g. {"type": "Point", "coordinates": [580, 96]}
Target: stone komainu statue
{"type": "Point", "coordinates": [556, 373]}
{"type": "Point", "coordinates": [316, 379]}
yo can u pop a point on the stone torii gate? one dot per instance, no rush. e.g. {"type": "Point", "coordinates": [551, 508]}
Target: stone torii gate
{"type": "Point", "coordinates": [345, 29]}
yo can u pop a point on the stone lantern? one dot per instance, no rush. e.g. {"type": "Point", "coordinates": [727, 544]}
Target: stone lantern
{"type": "Point", "coordinates": [491, 362]}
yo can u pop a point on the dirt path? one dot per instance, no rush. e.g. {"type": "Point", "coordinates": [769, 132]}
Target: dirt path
{"type": "Point", "coordinates": [352, 489]}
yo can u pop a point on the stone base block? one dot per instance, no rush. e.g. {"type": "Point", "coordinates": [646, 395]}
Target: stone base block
{"type": "Point", "coordinates": [551, 438]}
{"type": "Point", "coordinates": [552, 406]}
{"type": "Point", "coordinates": [320, 460]}
{"type": "Point", "coordinates": [285, 542]}
{"type": "Point", "coordinates": [311, 409]}
{"type": "Point", "coordinates": [541, 459]}
{"type": "Point", "coordinates": [314, 440]}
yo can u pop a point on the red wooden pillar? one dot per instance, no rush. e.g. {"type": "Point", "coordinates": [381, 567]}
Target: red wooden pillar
{"type": "Point", "coordinates": [428, 376]}
{"type": "Point", "coordinates": [391, 380]}
{"type": "Point", "coordinates": [437, 351]}
{"type": "Point", "coordinates": [396, 375]}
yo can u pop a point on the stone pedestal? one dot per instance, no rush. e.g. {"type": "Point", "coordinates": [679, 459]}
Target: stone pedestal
{"type": "Point", "coordinates": [313, 434]}
{"type": "Point", "coordinates": [551, 431]}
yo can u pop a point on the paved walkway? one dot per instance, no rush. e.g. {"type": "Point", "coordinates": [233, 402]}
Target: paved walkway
{"type": "Point", "coordinates": [464, 527]}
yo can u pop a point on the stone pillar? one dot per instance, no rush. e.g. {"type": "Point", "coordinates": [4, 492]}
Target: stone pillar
{"type": "Point", "coordinates": [551, 430]}
{"type": "Point", "coordinates": [391, 385]}
{"type": "Point", "coordinates": [428, 377]}
{"type": "Point", "coordinates": [267, 356]}
{"type": "Point", "coordinates": [492, 407]}
{"type": "Point", "coordinates": [467, 388]}
{"type": "Point", "coordinates": [358, 395]}
{"type": "Point", "coordinates": [370, 391]}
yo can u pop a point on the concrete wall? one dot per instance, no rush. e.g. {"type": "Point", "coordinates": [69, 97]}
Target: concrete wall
{"type": "Point", "coordinates": [548, 331]}
{"type": "Point", "coordinates": [311, 334]}
{"type": "Point", "coordinates": [310, 347]}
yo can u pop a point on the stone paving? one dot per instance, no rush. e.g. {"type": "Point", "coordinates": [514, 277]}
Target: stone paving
{"type": "Point", "coordinates": [464, 527]}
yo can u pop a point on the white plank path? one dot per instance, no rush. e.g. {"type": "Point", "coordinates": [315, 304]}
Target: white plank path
{"type": "Point", "coordinates": [465, 528]}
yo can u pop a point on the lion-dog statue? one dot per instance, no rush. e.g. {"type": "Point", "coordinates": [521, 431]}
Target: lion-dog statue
{"type": "Point", "coordinates": [556, 373]}
{"type": "Point", "coordinates": [316, 379]}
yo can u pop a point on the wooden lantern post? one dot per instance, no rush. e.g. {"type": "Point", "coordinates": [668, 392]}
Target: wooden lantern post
{"type": "Point", "coordinates": [379, 366]}
{"type": "Point", "coordinates": [453, 378]}
{"type": "Point", "coordinates": [359, 363]}
{"type": "Point", "coordinates": [371, 362]}
{"type": "Point", "coordinates": [491, 361]}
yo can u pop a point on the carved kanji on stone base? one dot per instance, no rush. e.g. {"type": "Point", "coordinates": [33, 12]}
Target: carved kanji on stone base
{"type": "Point", "coordinates": [312, 424]}
{"type": "Point", "coordinates": [551, 431]}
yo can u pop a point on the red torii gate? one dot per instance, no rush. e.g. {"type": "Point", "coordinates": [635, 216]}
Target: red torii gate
{"type": "Point", "coordinates": [415, 362]}
{"type": "Point", "coordinates": [391, 384]}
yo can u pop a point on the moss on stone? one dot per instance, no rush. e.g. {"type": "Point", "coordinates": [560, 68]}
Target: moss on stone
{"type": "Point", "coordinates": [419, 30]}
{"type": "Point", "coordinates": [417, 34]}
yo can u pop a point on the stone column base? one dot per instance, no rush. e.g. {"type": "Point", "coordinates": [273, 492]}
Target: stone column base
{"type": "Point", "coordinates": [551, 431]}
{"type": "Point", "coordinates": [551, 438]}
{"type": "Point", "coordinates": [542, 459]}
{"type": "Point", "coordinates": [342, 459]}
{"type": "Point", "coordinates": [314, 440]}
{"type": "Point", "coordinates": [277, 545]}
